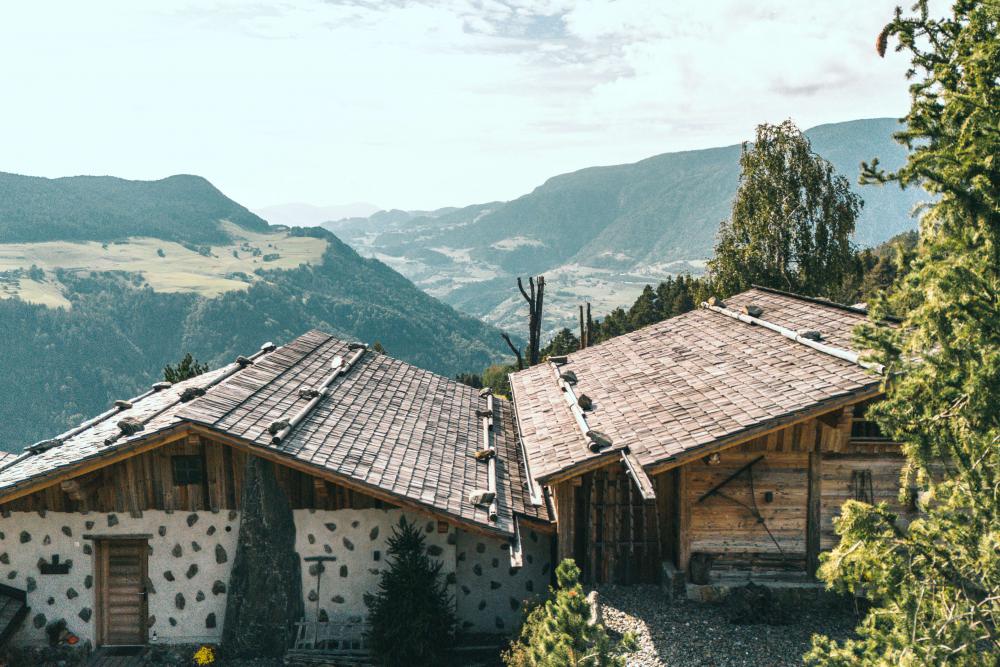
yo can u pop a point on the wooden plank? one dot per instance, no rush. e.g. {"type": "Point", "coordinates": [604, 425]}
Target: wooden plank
{"type": "Point", "coordinates": [815, 495]}
{"type": "Point", "coordinates": [683, 519]}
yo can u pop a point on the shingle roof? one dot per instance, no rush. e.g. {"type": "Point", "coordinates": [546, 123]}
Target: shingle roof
{"type": "Point", "coordinates": [687, 382]}
{"type": "Point", "coordinates": [385, 424]}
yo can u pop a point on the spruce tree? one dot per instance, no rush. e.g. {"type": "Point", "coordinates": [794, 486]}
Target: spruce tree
{"type": "Point", "coordinates": [792, 219]}
{"type": "Point", "coordinates": [560, 634]}
{"type": "Point", "coordinates": [411, 615]}
{"type": "Point", "coordinates": [934, 582]}
{"type": "Point", "coordinates": [185, 369]}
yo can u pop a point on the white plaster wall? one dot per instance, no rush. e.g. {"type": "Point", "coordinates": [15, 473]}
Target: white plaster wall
{"type": "Point", "coordinates": [358, 540]}
{"type": "Point", "coordinates": [203, 538]}
{"type": "Point", "coordinates": [491, 594]}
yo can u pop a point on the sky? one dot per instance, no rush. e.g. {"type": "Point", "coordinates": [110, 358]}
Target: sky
{"type": "Point", "coordinates": [419, 104]}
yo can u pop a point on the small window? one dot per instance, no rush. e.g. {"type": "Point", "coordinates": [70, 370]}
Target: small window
{"type": "Point", "coordinates": [862, 427]}
{"type": "Point", "coordinates": [187, 469]}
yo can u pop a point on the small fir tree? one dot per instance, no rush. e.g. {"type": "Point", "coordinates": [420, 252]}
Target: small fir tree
{"type": "Point", "coordinates": [185, 369]}
{"type": "Point", "coordinates": [411, 615]}
{"type": "Point", "coordinates": [560, 634]}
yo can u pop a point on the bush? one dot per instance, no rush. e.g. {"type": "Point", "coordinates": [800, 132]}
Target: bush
{"type": "Point", "coordinates": [560, 634]}
{"type": "Point", "coordinates": [411, 615]}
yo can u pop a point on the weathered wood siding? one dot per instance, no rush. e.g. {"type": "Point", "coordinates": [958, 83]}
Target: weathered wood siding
{"type": "Point", "coordinates": [146, 482]}
{"type": "Point", "coordinates": [841, 476]}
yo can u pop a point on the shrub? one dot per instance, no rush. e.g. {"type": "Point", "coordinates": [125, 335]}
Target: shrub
{"type": "Point", "coordinates": [411, 615]}
{"type": "Point", "coordinates": [560, 634]}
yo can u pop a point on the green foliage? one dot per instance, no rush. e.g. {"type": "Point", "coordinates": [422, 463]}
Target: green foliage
{"type": "Point", "coordinates": [410, 615]}
{"type": "Point", "coordinates": [935, 582]}
{"type": "Point", "coordinates": [497, 378]}
{"type": "Point", "coordinates": [791, 222]}
{"type": "Point", "coordinates": [559, 633]}
{"type": "Point", "coordinates": [671, 297]}
{"type": "Point", "coordinates": [563, 342]}
{"type": "Point", "coordinates": [186, 368]}
{"type": "Point", "coordinates": [470, 379]}
{"type": "Point", "coordinates": [102, 208]}
{"type": "Point", "coordinates": [61, 366]}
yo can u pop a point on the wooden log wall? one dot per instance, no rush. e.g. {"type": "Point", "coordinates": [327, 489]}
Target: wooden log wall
{"type": "Point", "coordinates": [146, 482]}
{"type": "Point", "coordinates": [844, 477]}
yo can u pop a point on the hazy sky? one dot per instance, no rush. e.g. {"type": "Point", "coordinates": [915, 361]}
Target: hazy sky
{"type": "Point", "coordinates": [418, 104]}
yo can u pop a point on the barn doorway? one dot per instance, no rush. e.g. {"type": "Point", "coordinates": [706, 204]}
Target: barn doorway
{"type": "Point", "coordinates": [121, 570]}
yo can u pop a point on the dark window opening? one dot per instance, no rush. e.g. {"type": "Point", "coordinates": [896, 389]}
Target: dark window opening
{"type": "Point", "coordinates": [187, 469]}
{"type": "Point", "coordinates": [862, 427]}
{"type": "Point", "coordinates": [861, 486]}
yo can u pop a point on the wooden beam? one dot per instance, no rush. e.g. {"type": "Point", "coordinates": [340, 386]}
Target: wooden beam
{"type": "Point", "coordinates": [813, 502]}
{"type": "Point", "coordinates": [683, 520]}
{"type": "Point", "coordinates": [587, 465]}
{"type": "Point", "coordinates": [765, 429]}
{"type": "Point", "coordinates": [638, 476]}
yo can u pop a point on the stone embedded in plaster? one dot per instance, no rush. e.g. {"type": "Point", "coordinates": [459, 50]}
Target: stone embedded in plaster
{"type": "Point", "coordinates": [210, 621]}
{"type": "Point", "coordinates": [38, 621]}
{"type": "Point", "coordinates": [330, 526]}
{"type": "Point", "coordinates": [210, 531]}
{"type": "Point", "coordinates": [315, 569]}
{"type": "Point", "coordinates": [338, 599]}
{"type": "Point", "coordinates": [199, 596]}
{"type": "Point", "coordinates": [220, 554]}
{"type": "Point", "coordinates": [192, 519]}
{"type": "Point", "coordinates": [46, 541]}
{"type": "Point", "coordinates": [25, 537]}
{"type": "Point", "coordinates": [311, 538]}
{"type": "Point", "coordinates": [151, 621]}
{"type": "Point", "coordinates": [313, 596]}
{"type": "Point", "coordinates": [435, 550]}
{"type": "Point", "coordinates": [348, 544]}
{"type": "Point", "coordinates": [51, 600]}
{"type": "Point", "coordinates": [89, 525]}
{"type": "Point", "coordinates": [430, 527]}
{"type": "Point", "coordinates": [12, 575]}
{"type": "Point", "coordinates": [168, 575]}
{"type": "Point", "coordinates": [177, 551]}
{"type": "Point", "coordinates": [232, 515]}
{"type": "Point", "coordinates": [374, 570]}
{"type": "Point", "coordinates": [461, 557]}
{"type": "Point", "coordinates": [85, 614]}
{"type": "Point", "coordinates": [495, 562]}
{"type": "Point", "coordinates": [480, 548]}
{"type": "Point", "coordinates": [179, 601]}
{"type": "Point", "coordinates": [452, 538]}
{"type": "Point", "coordinates": [71, 593]}
{"type": "Point", "coordinates": [173, 621]}
{"type": "Point", "coordinates": [162, 531]}
{"type": "Point", "coordinates": [355, 524]}
{"type": "Point", "coordinates": [112, 520]}
{"type": "Point", "coordinates": [191, 571]}
{"type": "Point", "coordinates": [195, 547]}
{"type": "Point", "coordinates": [5, 558]}
{"type": "Point", "coordinates": [30, 584]}
{"type": "Point", "coordinates": [67, 531]}
{"type": "Point", "coordinates": [494, 585]}
{"type": "Point", "coordinates": [515, 604]}
{"type": "Point", "coordinates": [373, 533]}
{"type": "Point", "coordinates": [343, 570]}
{"type": "Point", "coordinates": [87, 549]}
{"type": "Point", "coordinates": [482, 605]}
{"type": "Point", "coordinates": [327, 548]}
{"type": "Point", "coordinates": [478, 569]}
{"type": "Point", "coordinates": [151, 589]}
{"type": "Point", "coordinates": [218, 587]}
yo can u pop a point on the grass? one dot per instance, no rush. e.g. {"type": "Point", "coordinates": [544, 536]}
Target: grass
{"type": "Point", "coordinates": [179, 269]}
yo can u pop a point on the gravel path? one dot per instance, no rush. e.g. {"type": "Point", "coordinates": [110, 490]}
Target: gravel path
{"type": "Point", "coordinates": [688, 633]}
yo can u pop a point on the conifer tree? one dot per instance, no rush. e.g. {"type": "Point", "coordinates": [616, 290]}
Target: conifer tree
{"type": "Point", "coordinates": [411, 615]}
{"type": "Point", "coordinates": [792, 219]}
{"type": "Point", "coordinates": [935, 582]}
{"type": "Point", "coordinates": [560, 634]}
{"type": "Point", "coordinates": [185, 369]}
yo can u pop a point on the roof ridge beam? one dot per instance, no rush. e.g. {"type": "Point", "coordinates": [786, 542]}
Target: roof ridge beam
{"type": "Point", "coordinates": [840, 353]}
{"type": "Point", "coordinates": [281, 431]}
{"type": "Point", "coordinates": [597, 440]}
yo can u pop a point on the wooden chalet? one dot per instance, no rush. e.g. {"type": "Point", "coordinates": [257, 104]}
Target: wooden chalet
{"type": "Point", "coordinates": [721, 442]}
{"type": "Point", "coordinates": [126, 526]}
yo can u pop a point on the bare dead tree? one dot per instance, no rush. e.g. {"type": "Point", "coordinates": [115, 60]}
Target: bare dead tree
{"type": "Point", "coordinates": [515, 350]}
{"type": "Point", "coordinates": [586, 325]}
{"type": "Point", "coordinates": [534, 300]}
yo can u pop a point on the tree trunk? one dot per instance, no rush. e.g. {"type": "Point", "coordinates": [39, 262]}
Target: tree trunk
{"type": "Point", "coordinates": [265, 585]}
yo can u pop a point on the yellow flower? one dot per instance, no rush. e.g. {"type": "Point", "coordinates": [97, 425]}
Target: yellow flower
{"type": "Point", "coordinates": [204, 656]}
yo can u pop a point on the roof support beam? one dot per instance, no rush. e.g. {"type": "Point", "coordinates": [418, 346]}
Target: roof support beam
{"type": "Point", "coordinates": [638, 475]}
{"type": "Point", "coordinates": [516, 548]}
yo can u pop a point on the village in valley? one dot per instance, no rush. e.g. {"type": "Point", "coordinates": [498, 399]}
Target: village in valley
{"type": "Point", "coordinates": [719, 406]}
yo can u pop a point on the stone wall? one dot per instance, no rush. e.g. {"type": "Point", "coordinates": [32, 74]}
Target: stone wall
{"type": "Point", "coordinates": [191, 553]}
{"type": "Point", "coordinates": [491, 595]}
{"type": "Point", "coordinates": [189, 562]}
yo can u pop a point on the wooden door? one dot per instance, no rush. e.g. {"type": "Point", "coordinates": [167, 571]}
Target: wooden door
{"type": "Point", "coordinates": [121, 575]}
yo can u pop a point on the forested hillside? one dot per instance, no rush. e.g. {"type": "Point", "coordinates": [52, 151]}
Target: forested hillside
{"type": "Point", "coordinates": [601, 233]}
{"type": "Point", "coordinates": [103, 208]}
{"type": "Point", "coordinates": [61, 365]}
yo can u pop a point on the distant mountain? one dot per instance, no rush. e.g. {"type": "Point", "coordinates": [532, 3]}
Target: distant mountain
{"type": "Point", "coordinates": [602, 233]}
{"type": "Point", "coordinates": [299, 214]}
{"type": "Point", "coordinates": [84, 322]}
{"type": "Point", "coordinates": [104, 208]}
